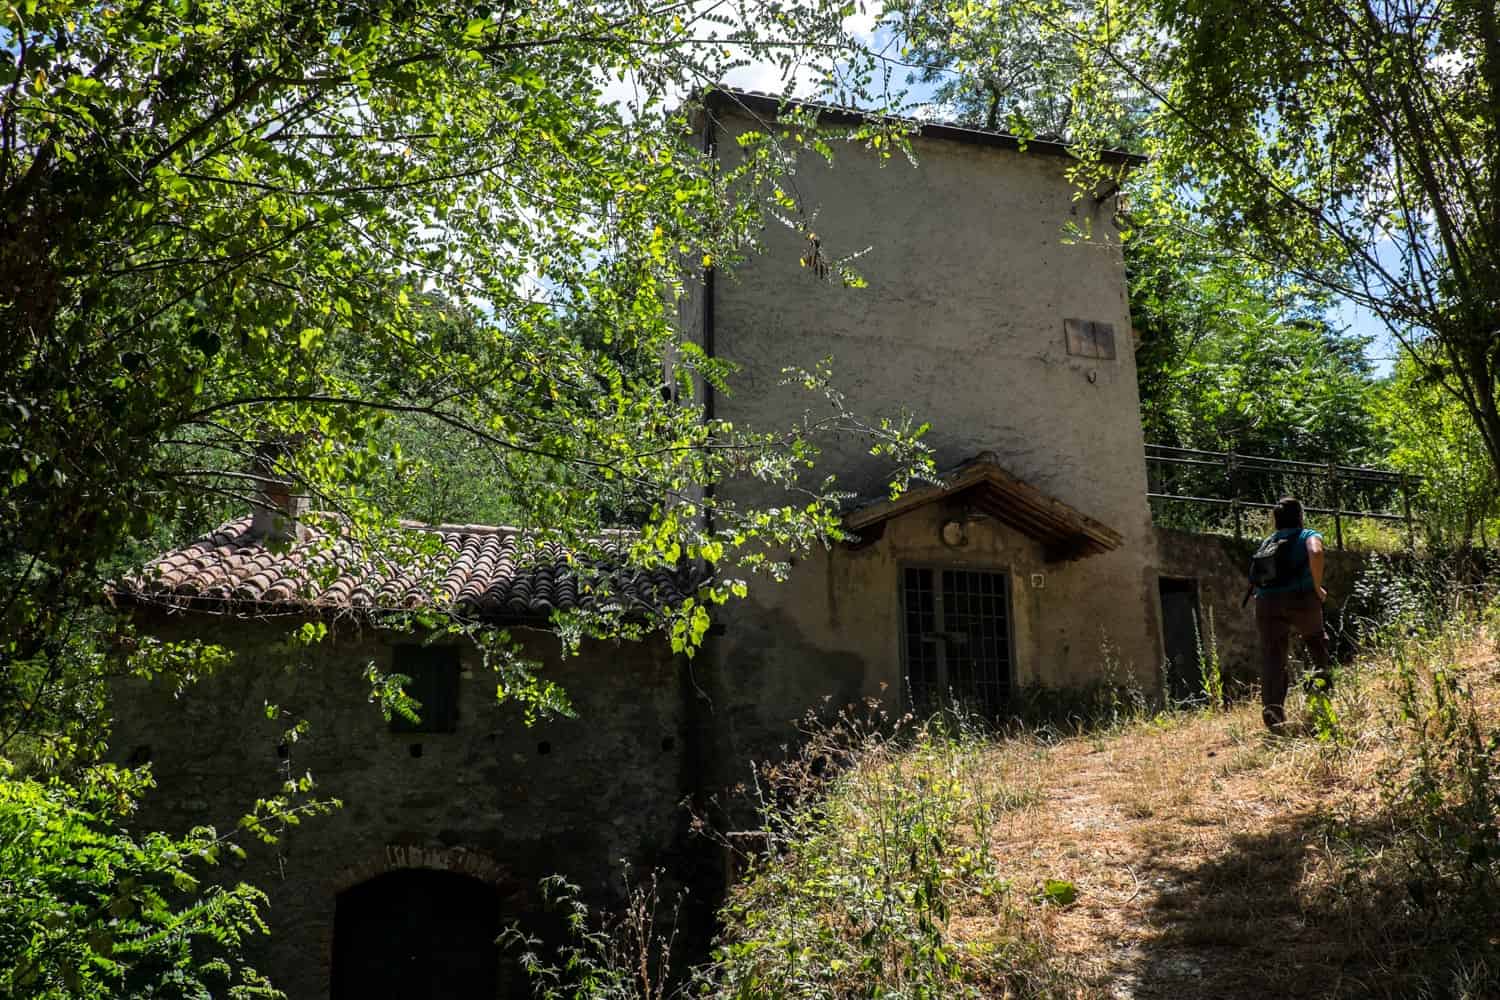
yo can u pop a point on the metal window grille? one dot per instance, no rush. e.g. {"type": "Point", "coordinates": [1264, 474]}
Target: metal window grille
{"type": "Point", "coordinates": [434, 684]}
{"type": "Point", "coordinates": [922, 646]}
{"type": "Point", "coordinates": [957, 625]}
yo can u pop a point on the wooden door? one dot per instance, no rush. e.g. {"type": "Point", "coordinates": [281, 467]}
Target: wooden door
{"type": "Point", "coordinates": [1180, 628]}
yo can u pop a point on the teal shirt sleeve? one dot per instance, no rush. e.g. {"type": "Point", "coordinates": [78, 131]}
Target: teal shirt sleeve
{"type": "Point", "coordinates": [1304, 579]}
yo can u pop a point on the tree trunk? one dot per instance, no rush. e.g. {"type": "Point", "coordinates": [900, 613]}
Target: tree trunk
{"type": "Point", "coordinates": [1488, 418]}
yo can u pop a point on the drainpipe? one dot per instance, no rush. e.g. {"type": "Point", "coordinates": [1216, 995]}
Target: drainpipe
{"type": "Point", "coordinates": [711, 149]}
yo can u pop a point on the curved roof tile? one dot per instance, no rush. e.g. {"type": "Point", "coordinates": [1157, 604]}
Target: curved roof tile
{"type": "Point", "coordinates": [479, 570]}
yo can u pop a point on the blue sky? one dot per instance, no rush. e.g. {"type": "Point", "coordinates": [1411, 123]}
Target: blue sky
{"type": "Point", "coordinates": [1381, 349]}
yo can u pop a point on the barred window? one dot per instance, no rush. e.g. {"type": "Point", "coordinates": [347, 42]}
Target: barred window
{"type": "Point", "coordinates": [957, 638]}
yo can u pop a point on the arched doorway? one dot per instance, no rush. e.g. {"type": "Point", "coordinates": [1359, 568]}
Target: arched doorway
{"type": "Point", "coordinates": [416, 934]}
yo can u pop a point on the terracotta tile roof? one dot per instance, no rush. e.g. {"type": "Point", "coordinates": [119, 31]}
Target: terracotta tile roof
{"type": "Point", "coordinates": [480, 571]}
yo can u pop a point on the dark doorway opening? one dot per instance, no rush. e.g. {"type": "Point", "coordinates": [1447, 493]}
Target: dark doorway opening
{"type": "Point", "coordinates": [416, 934]}
{"type": "Point", "coordinates": [1180, 629]}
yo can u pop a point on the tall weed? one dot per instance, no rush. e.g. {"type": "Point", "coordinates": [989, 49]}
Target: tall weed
{"type": "Point", "coordinates": [1444, 790]}
{"type": "Point", "coordinates": [1438, 783]}
{"type": "Point", "coordinates": [1210, 664]}
{"type": "Point", "coordinates": [864, 861]}
{"type": "Point", "coordinates": [867, 837]}
{"type": "Point", "coordinates": [625, 956]}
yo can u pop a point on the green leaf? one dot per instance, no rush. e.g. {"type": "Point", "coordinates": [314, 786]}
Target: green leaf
{"type": "Point", "coordinates": [1058, 892]}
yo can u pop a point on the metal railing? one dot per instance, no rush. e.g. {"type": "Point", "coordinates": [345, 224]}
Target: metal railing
{"type": "Point", "coordinates": [1229, 483]}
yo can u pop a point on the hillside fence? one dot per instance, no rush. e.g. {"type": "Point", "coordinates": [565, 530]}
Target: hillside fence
{"type": "Point", "coordinates": [1195, 490]}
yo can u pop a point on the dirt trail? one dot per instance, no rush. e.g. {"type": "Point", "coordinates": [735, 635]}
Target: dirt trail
{"type": "Point", "coordinates": [1197, 850]}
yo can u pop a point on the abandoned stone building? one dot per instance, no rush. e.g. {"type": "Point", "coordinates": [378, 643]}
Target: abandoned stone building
{"type": "Point", "coordinates": [1035, 563]}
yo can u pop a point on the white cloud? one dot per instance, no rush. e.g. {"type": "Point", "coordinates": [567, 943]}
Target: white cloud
{"type": "Point", "coordinates": [862, 26]}
{"type": "Point", "coordinates": [769, 77]}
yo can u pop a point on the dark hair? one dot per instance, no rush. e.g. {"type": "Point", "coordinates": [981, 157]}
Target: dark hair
{"type": "Point", "coordinates": [1287, 513]}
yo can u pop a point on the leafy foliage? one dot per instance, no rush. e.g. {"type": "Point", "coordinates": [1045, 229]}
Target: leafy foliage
{"type": "Point", "coordinates": [1228, 363]}
{"type": "Point", "coordinates": [999, 66]}
{"type": "Point", "coordinates": [333, 246]}
{"type": "Point", "coordinates": [1349, 146]}
{"type": "Point", "coordinates": [248, 241]}
{"type": "Point", "coordinates": [1435, 441]}
{"type": "Point", "coordinates": [90, 911]}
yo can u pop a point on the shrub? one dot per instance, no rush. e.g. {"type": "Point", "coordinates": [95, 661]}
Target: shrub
{"type": "Point", "coordinates": [872, 835]}
{"type": "Point", "coordinates": [87, 910]}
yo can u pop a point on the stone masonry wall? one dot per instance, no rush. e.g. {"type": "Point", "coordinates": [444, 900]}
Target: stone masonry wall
{"type": "Point", "coordinates": [498, 800]}
{"type": "Point", "coordinates": [508, 804]}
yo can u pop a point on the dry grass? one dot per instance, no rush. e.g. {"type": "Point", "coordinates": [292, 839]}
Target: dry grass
{"type": "Point", "coordinates": [1215, 860]}
{"type": "Point", "coordinates": [1190, 855]}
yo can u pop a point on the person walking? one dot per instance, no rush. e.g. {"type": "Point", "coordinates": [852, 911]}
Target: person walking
{"type": "Point", "coordinates": [1287, 579]}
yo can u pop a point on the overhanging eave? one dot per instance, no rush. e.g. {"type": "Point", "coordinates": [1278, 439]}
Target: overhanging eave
{"type": "Point", "coordinates": [1064, 532]}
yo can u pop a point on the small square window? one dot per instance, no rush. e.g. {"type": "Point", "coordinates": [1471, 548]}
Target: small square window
{"type": "Point", "coordinates": [434, 685]}
{"type": "Point", "coordinates": [1090, 339]}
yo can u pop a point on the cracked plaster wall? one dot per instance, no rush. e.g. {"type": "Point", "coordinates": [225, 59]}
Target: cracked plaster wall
{"type": "Point", "coordinates": [961, 325]}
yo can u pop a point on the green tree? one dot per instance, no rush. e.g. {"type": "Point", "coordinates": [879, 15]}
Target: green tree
{"type": "Point", "coordinates": [1351, 146]}
{"type": "Point", "coordinates": [1231, 357]}
{"type": "Point", "coordinates": [1227, 363]}
{"type": "Point", "coordinates": [990, 65]}
{"type": "Point", "coordinates": [1000, 66]}
{"type": "Point", "coordinates": [225, 231]}
{"type": "Point", "coordinates": [1434, 440]}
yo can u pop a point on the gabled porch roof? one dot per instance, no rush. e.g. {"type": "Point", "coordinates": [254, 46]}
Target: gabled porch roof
{"type": "Point", "coordinates": [1064, 532]}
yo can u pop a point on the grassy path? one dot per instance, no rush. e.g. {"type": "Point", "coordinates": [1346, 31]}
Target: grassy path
{"type": "Point", "coordinates": [1198, 856]}
{"type": "Point", "coordinates": [1212, 860]}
